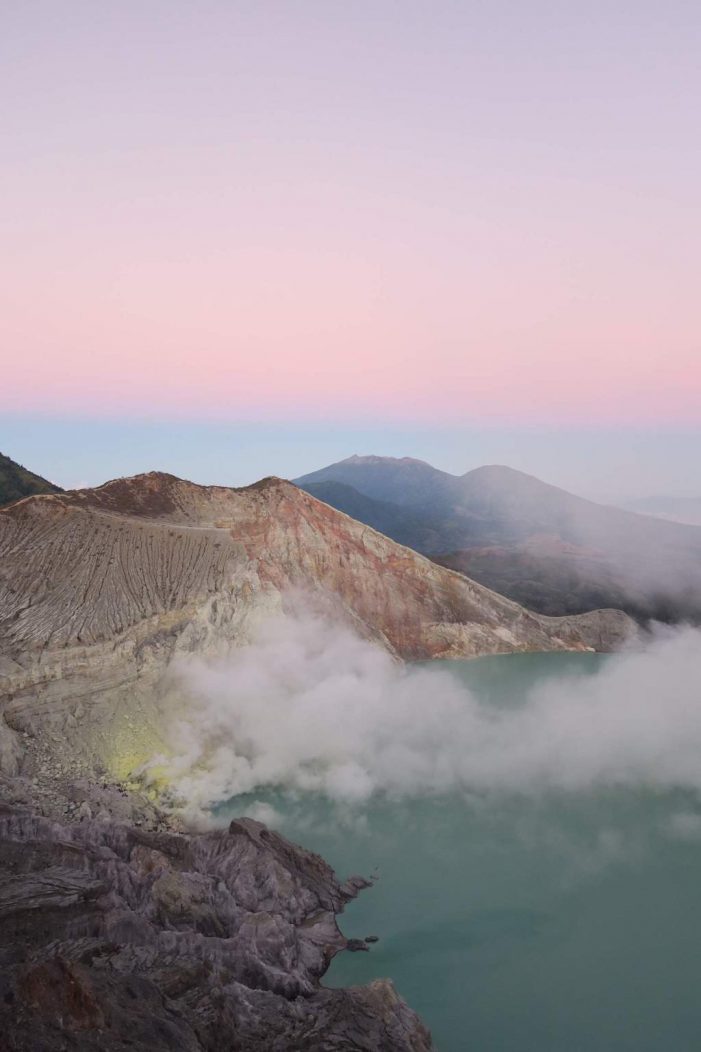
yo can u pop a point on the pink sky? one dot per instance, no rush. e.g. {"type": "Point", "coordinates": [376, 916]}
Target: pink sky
{"type": "Point", "coordinates": [367, 211]}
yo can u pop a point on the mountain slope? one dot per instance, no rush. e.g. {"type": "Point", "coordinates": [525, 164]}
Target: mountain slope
{"type": "Point", "coordinates": [405, 525]}
{"type": "Point", "coordinates": [16, 482]}
{"type": "Point", "coordinates": [99, 589]}
{"type": "Point", "coordinates": [544, 547]}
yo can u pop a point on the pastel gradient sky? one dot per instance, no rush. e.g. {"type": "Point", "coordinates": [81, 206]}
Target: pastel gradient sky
{"type": "Point", "coordinates": [439, 218]}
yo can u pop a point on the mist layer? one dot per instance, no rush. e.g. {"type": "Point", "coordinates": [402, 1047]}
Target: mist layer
{"type": "Point", "coordinates": [311, 707]}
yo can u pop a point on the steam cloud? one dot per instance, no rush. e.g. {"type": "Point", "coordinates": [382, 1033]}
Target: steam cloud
{"type": "Point", "coordinates": [310, 706]}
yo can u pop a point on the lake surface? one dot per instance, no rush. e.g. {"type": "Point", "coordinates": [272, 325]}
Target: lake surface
{"type": "Point", "coordinates": [565, 922]}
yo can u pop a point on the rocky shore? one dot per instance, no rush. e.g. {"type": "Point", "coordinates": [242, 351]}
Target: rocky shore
{"type": "Point", "coordinates": [117, 937]}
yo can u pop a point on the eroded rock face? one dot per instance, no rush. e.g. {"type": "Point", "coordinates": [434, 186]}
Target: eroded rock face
{"type": "Point", "coordinates": [112, 938]}
{"type": "Point", "coordinates": [154, 552]}
{"type": "Point", "coordinates": [100, 588]}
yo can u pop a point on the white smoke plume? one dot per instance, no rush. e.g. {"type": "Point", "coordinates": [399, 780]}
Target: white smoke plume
{"type": "Point", "coordinates": [310, 706]}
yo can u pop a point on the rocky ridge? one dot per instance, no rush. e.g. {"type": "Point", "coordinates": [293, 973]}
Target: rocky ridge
{"type": "Point", "coordinates": [100, 588]}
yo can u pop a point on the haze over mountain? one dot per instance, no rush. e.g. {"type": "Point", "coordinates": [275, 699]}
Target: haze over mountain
{"type": "Point", "coordinates": [675, 509]}
{"type": "Point", "coordinates": [542, 546]}
{"type": "Point", "coordinates": [16, 482]}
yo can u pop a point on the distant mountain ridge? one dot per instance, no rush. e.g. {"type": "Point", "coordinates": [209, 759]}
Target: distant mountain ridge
{"type": "Point", "coordinates": [540, 545]}
{"type": "Point", "coordinates": [675, 509]}
{"type": "Point", "coordinates": [16, 482]}
{"type": "Point", "coordinates": [403, 481]}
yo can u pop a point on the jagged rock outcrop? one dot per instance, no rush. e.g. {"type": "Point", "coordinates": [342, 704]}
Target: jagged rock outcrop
{"type": "Point", "coordinates": [112, 938]}
{"type": "Point", "coordinates": [100, 588]}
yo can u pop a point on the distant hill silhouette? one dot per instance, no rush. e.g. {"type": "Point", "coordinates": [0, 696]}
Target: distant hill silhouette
{"type": "Point", "coordinates": [540, 545]}
{"type": "Point", "coordinates": [16, 482]}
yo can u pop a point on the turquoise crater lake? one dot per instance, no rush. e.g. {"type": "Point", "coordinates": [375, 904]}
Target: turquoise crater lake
{"type": "Point", "coordinates": [564, 921]}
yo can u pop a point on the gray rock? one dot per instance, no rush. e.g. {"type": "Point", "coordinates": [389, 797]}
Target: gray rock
{"type": "Point", "coordinates": [355, 945]}
{"type": "Point", "coordinates": [113, 938]}
{"type": "Point", "coordinates": [11, 750]}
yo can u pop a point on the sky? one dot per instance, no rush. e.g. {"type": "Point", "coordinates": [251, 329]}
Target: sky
{"type": "Point", "coordinates": [244, 238]}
